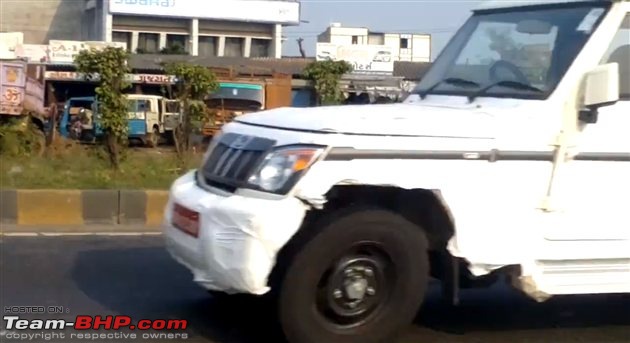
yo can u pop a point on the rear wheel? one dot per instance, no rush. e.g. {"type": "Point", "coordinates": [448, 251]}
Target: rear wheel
{"type": "Point", "coordinates": [361, 279]}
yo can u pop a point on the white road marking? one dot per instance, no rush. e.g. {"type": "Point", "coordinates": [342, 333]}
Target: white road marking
{"type": "Point", "coordinates": [56, 234]}
{"type": "Point", "coordinates": [2, 333]}
{"type": "Point", "coordinates": [118, 233]}
{"type": "Point", "coordinates": [21, 234]}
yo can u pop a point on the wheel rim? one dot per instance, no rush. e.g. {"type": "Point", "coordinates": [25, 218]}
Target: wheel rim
{"type": "Point", "coordinates": [356, 286]}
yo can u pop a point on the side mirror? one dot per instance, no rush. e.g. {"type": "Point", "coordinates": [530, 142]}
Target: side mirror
{"type": "Point", "coordinates": [601, 88]}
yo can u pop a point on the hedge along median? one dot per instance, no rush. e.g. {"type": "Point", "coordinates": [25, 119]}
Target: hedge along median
{"type": "Point", "coordinates": [82, 207]}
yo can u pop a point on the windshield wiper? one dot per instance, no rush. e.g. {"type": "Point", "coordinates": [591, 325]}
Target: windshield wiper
{"type": "Point", "coordinates": [451, 81]}
{"type": "Point", "coordinates": [505, 83]}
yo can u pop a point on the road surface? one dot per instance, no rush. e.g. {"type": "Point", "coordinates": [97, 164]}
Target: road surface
{"type": "Point", "coordinates": [134, 276]}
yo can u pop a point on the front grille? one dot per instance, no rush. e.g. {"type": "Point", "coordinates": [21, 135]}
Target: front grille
{"type": "Point", "coordinates": [234, 159]}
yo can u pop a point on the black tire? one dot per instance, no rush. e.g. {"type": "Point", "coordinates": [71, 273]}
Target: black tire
{"type": "Point", "coordinates": [403, 284]}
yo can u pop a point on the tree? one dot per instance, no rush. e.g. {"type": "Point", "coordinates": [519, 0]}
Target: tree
{"type": "Point", "coordinates": [173, 49]}
{"type": "Point", "coordinates": [111, 66]}
{"type": "Point", "coordinates": [194, 83]}
{"type": "Point", "coordinates": [326, 76]}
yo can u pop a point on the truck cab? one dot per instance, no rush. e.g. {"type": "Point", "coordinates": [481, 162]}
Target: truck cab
{"type": "Point", "coordinates": [233, 99]}
{"type": "Point", "coordinates": [145, 115]}
{"type": "Point", "coordinates": [510, 158]}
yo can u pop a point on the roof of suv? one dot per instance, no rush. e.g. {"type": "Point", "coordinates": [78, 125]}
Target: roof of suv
{"type": "Point", "coordinates": [492, 4]}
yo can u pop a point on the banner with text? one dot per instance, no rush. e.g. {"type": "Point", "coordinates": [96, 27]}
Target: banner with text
{"type": "Point", "coordinates": [269, 11]}
{"type": "Point", "coordinates": [365, 59]}
{"type": "Point", "coordinates": [149, 79]}
{"type": "Point", "coordinates": [64, 51]}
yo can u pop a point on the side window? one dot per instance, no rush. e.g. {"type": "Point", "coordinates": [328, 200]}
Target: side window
{"type": "Point", "coordinates": [144, 106]}
{"type": "Point", "coordinates": [131, 106]}
{"type": "Point", "coordinates": [619, 52]}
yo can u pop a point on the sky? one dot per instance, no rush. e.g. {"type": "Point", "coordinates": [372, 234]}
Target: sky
{"type": "Point", "coordinates": [440, 18]}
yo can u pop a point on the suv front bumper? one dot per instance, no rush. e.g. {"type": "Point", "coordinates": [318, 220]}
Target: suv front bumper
{"type": "Point", "coordinates": [239, 237]}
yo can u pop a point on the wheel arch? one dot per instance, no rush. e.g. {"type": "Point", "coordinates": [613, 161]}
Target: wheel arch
{"type": "Point", "coordinates": [38, 122]}
{"type": "Point", "coordinates": [425, 207]}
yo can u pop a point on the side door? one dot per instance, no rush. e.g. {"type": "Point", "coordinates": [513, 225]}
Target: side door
{"type": "Point", "coordinates": [590, 244]}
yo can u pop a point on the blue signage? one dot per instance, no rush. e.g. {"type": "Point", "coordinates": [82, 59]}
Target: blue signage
{"type": "Point", "coordinates": [152, 3]}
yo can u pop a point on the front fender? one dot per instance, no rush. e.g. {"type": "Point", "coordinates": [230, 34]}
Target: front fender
{"type": "Point", "coordinates": [461, 186]}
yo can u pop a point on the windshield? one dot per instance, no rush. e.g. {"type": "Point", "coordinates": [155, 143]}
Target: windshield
{"type": "Point", "coordinates": [528, 47]}
{"type": "Point", "coordinates": [240, 95]}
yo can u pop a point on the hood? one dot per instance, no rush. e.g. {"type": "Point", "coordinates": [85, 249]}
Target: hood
{"type": "Point", "coordinates": [380, 119]}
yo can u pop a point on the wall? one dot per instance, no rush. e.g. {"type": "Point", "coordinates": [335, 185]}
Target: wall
{"type": "Point", "coordinates": [211, 27]}
{"type": "Point", "coordinates": [419, 47]}
{"type": "Point", "coordinates": [146, 24]}
{"type": "Point", "coordinates": [43, 20]}
{"type": "Point", "coordinates": [343, 35]}
{"type": "Point", "coordinates": [418, 50]}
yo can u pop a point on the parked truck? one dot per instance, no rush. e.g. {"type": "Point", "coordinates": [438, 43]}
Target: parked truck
{"type": "Point", "coordinates": [240, 95]}
{"type": "Point", "coordinates": [22, 99]}
{"type": "Point", "coordinates": [510, 161]}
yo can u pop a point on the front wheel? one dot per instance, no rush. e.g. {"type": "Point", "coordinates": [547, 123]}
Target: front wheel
{"type": "Point", "coordinates": [361, 279]}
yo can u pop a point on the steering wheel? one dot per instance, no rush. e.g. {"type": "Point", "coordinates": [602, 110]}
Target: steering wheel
{"type": "Point", "coordinates": [514, 70]}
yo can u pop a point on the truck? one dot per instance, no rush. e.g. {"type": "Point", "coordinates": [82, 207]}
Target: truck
{"type": "Point", "coordinates": [238, 96]}
{"type": "Point", "coordinates": [150, 117]}
{"type": "Point", "coordinates": [509, 162]}
{"type": "Point", "coordinates": [22, 99]}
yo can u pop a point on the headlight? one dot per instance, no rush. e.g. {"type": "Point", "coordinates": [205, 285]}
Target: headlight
{"type": "Point", "coordinates": [282, 166]}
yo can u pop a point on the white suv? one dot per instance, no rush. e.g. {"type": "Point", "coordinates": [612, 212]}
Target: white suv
{"type": "Point", "coordinates": [511, 157]}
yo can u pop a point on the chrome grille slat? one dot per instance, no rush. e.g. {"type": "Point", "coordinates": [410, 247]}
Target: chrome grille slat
{"type": "Point", "coordinates": [228, 165]}
{"type": "Point", "coordinates": [221, 161]}
{"type": "Point", "coordinates": [231, 162]}
{"type": "Point", "coordinates": [246, 157]}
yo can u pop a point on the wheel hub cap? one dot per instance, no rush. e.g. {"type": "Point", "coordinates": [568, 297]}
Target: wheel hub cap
{"type": "Point", "coordinates": [355, 286]}
{"type": "Point", "coordinates": [356, 289]}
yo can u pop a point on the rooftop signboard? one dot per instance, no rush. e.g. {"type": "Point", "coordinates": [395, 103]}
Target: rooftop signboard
{"type": "Point", "coordinates": [264, 11]}
{"type": "Point", "coordinates": [365, 59]}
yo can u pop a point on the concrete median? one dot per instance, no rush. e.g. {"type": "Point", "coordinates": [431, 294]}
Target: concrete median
{"type": "Point", "coordinates": [81, 208]}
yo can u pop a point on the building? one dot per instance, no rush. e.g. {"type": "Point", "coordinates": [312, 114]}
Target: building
{"type": "Point", "coordinates": [372, 51]}
{"type": "Point", "coordinates": [233, 28]}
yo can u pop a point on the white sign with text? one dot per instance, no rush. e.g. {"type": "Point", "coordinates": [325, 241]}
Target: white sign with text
{"type": "Point", "coordinates": [64, 51]}
{"type": "Point", "coordinates": [281, 12]}
{"type": "Point", "coordinates": [364, 58]}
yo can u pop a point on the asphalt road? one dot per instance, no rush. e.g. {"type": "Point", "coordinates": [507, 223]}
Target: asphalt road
{"type": "Point", "coordinates": [134, 276]}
